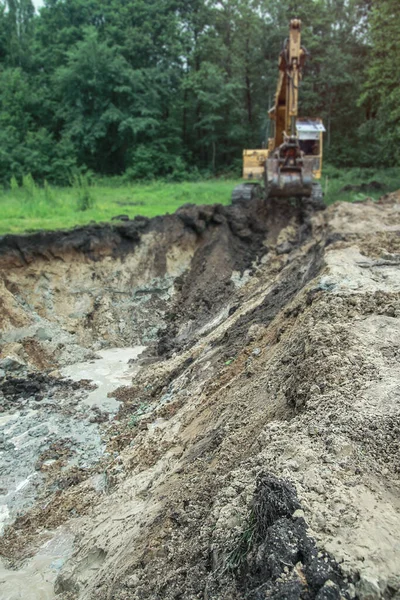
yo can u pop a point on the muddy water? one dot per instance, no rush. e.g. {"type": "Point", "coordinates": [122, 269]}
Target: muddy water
{"type": "Point", "coordinates": [27, 433]}
{"type": "Point", "coordinates": [111, 370]}
{"type": "Point", "coordinates": [35, 580]}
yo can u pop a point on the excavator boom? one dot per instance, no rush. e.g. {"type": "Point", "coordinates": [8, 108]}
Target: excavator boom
{"type": "Point", "coordinates": [291, 63]}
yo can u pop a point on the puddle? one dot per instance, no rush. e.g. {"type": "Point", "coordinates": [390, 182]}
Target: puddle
{"type": "Point", "coordinates": [108, 372]}
{"type": "Point", "coordinates": [62, 420]}
{"type": "Point", "coordinates": [61, 425]}
{"type": "Point", "coordinates": [35, 580]}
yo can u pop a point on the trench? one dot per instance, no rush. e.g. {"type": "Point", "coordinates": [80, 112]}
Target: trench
{"type": "Point", "coordinates": [83, 310]}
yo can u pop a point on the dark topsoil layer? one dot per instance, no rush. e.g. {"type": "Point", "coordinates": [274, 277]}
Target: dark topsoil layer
{"type": "Point", "coordinates": [93, 240]}
{"type": "Point", "coordinates": [117, 239]}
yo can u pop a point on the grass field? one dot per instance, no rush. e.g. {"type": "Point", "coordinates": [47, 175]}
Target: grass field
{"type": "Point", "coordinates": [55, 208]}
{"type": "Point", "coordinates": [29, 207]}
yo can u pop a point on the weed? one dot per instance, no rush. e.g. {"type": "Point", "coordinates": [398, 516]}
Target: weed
{"type": "Point", "coordinates": [28, 188]}
{"type": "Point", "coordinates": [48, 193]}
{"type": "Point", "coordinates": [85, 199]}
{"type": "Point", "coordinates": [147, 199]}
{"type": "Point", "coordinates": [335, 183]}
{"type": "Point", "coordinates": [237, 555]}
{"type": "Point", "coordinates": [14, 185]}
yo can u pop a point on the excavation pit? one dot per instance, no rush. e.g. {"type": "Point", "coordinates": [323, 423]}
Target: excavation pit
{"type": "Point", "coordinates": [152, 370]}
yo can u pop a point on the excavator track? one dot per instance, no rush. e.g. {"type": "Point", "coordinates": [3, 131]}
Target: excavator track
{"type": "Point", "coordinates": [246, 191]}
{"type": "Point", "coordinates": [250, 191]}
{"type": "Point", "coordinates": [316, 200]}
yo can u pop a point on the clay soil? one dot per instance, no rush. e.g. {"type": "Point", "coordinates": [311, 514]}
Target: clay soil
{"type": "Point", "coordinates": [254, 450]}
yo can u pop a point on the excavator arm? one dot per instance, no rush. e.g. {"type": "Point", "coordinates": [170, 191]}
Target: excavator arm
{"type": "Point", "coordinates": [285, 110]}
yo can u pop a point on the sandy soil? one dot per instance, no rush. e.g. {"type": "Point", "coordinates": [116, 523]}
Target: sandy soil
{"type": "Point", "coordinates": [254, 454]}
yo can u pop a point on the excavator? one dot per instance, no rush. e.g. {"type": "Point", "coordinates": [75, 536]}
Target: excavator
{"type": "Point", "coordinates": [290, 166]}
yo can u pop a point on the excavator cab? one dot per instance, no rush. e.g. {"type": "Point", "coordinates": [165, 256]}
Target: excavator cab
{"type": "Point", "coordinates": [292, 162]}
{"type": "Point", "coordinates": [310, 134]}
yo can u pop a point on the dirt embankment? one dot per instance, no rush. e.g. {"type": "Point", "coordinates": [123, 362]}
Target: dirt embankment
{"type": "Point", "coordinates": [112, 285]}
{"type": "Point", "coordinates": [255, 454]}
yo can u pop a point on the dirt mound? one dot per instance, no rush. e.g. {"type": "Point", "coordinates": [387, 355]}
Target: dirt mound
{"type": "Point", "coordinates": [35, 386]}
{"type": "Point", "coordinates": [372, 186]}
{"type": "Point", "coordinates": [234, 243]}
{"type": "Point", "coordinates": [227, 257]}
{"type": "Point", "coordinates": [256, 456]}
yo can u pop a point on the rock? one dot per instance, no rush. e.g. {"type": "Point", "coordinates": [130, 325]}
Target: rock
{"type": "Point", "coordinates": [132, 581]}
{"type": "Point", "coordinates": [256, 352]}
{"type": "Point", "coordinates": [312, 430]}
{"type": "Point", "coordinates": [329, 591]}
{"type": "Point", "coordinates": [255, 331]}
{"type": "Point", "coordinates": [315, 389]}
{"type": "Point", "coordinates": [2, 373]}
{"type": "Point", "coordinates": [368, 588]}
{"type": "Point", "coordinates": [284, 248]}
{"type": "Point", "coordinates": [43, 334]}
{"type": "Point", "coordinates": [314, 482]}
{"type": "Point", "coordinates": [56, 374]}
{"type": "Point", "coordinates": [393, 583]}
{"type": "Point", "coordinates": [275, 426]}
{"type": "Point", "coordinates": [320, 522]}
{"type": "Point", "coordinates": [351, 590]}
{"type": "Point", "coordinates": [99, 482]}
{"type": "Point", "coordinates": [39, 431]}
{"type": "Point", "coordinates": [293, 465]}
{"type": "Point", "coordinates": [11, 363]}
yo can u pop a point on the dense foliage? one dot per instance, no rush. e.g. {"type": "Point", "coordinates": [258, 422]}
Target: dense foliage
{"type": "Point", "coordinates": [170, 87]}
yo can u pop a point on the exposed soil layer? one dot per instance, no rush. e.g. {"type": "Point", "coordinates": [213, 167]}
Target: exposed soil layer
{"type": "Point", "coordinates": [111, 285]}
{"type": "Point", "coordinates": [255, 451]}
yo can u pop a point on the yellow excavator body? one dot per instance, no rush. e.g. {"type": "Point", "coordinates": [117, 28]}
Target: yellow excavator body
{"type": "Point", "coordinates": [292, 160]}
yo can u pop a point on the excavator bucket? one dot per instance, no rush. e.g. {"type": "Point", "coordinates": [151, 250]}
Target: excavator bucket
{"type": "Point", "coordinates": [289, 181]}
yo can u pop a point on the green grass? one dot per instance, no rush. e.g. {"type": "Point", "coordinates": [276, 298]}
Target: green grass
{"type": "Point", "coordinates": [29, 207]}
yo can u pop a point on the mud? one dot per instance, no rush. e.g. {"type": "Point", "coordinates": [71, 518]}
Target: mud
{"type": "Point", "coordinates": [215, 397]}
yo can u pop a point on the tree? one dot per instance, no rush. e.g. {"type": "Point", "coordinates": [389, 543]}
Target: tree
{"type": "Point", "coordinates": [381, 95]}
{"type": "Point", "coordinates": [96, 90]}
{"type": "Point", "coordinates": [18, 17]}
{"type": "Point", "coordinates": [25, 146]}
{"type": "Point", "coordinates": [162, 86]}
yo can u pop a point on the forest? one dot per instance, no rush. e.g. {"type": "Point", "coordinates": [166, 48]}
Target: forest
{"type": "Point", "coordinates": [172, 88]}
